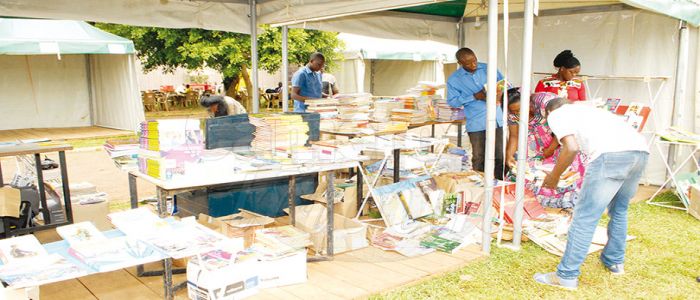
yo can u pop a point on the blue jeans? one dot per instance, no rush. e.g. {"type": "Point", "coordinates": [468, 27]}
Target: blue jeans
{"type": "Point", "coordinates": [611, 180]}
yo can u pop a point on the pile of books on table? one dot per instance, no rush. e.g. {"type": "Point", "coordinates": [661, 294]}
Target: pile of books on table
{"type": "Point", "coordinates": [327, 108]}
{"type": "Point", "coordinates": [444, 112]}
{"type": "Point", "coordinates": [278, 132]}
{"type": "Point", "coordinates": [165, 146]}
{"type": "Point", "coordinates": [409, 116]}
{"type": "Point", "coordinates": [383, 107]}
{"type": "Point", "coordinates": [353, 110]}
{"type": "Point", "coordinates": [124, 153]}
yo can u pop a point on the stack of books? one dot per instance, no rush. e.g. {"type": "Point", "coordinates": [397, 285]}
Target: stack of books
{"type": "Point", "coordinates": [444, 112]}
{"type": "Point", "coordinates": [166, 145]}
{"type": "Point", "coordinates": [327, 108]}
{"type": "Point", "coordinates": [278, 132]}
{"type": "Point", "coordinates": [124, 153]}
{"type": "Point", "coordinates": [409, 116]}
{"type": "Point", "coordinates": [383, 107]}
{"type": "Point", "coordinates": [353, 110]}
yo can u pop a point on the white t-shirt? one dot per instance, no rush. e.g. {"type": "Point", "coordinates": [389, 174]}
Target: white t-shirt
{"type": "Point", "coordinates": [596, 131]}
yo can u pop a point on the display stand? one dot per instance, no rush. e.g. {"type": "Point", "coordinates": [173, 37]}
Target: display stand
{"type": "Point", "coordinates": [694, 149]}
{"type": "Point", "coordinates": [36, 150]}
{"type": "Point", "coordinates": [167, 189]}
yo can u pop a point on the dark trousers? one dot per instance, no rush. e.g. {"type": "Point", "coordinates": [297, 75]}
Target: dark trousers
{"type": "Point", "coordinates": [478, 140]}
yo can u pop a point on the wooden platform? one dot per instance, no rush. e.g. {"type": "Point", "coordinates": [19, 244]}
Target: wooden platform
{"type": "Point", "coordinates": [56, 134]}
{"type": "Point", "coordinates": [351, 275]}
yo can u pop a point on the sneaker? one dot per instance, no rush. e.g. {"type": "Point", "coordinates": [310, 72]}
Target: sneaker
{"type": "Point", "coordinates": [616, 269]}
{"type": "Point", "coordinates": [554, 280]}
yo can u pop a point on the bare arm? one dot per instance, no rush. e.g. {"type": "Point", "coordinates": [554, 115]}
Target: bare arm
{"type": "Point", "coordinates": [295, 94]}
{"type": "Point", "coordinates": [569, 149]}
{"type": "Point", "coordinates": [512, 145]}
{"type": "Point", "coordinates": [549, 151]}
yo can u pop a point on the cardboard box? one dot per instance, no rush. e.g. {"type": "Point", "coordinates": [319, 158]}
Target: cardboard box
{"type": "Point", "coordinates": [10, 201]}
{"type": "Point", "coordinates": [694, 203]}
{"type": "Point", "coordinates": [95, 213]}
{"type": "Point", "coordinates": [243, 224]}
{"type": "Point", "coordinates": [449, 181]}
{"type": "Point", "coordinates": [284, 271]}
{"type": "Point", "coordinates": [348, 234]}
{"type": "Point", "coordinates": [234, 282]}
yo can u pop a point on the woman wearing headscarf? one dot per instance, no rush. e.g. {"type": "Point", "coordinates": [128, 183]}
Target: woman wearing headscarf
{"type": "Point", "coordinates": [219, 106]}
{"type": "Point", "coordinates": [565, 82]}
{"type": "Point", "coordinates": [542, 148]}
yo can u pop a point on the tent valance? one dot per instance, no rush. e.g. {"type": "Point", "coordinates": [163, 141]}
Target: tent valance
{"type": "Point", "coordinates": [35, 37]}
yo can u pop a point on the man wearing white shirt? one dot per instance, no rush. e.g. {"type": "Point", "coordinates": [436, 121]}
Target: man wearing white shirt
{"type": "Point", "coordinates": [617, 156]}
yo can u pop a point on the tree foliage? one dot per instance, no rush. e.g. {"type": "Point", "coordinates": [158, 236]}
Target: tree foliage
{"type": "Point", "coordinates": [226, 52]}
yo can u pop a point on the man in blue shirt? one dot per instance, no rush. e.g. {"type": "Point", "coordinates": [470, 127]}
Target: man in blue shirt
{"type": "Point", "coordinates": [306, 82]}
{"type": "Point", "coordinates": [465, 88]}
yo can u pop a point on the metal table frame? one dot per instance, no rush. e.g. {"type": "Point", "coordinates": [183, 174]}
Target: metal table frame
{"type": "Point", "coordinates": [36, 150]}
{"type": "Point", "coordinates": [164, 192]}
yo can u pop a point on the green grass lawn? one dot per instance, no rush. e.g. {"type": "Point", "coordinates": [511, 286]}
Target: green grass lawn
{"type": "Point", "coordinates": [661, 263]}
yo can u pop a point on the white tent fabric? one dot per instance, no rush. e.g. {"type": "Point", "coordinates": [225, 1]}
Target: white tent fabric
{"type": "Point", "coordinates": [41, 91]}
{"type": "Point", "coordinates": [213, 15]}
{"type": "Point", "coordinates": [283, 12]}
{"type": "Point", "coordinates": [115, 90]}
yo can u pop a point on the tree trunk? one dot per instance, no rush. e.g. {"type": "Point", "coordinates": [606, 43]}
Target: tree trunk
{"type": "Point", "coordinates": [249, 88]}
{"type": "Point", "coordinates": [231, 86]}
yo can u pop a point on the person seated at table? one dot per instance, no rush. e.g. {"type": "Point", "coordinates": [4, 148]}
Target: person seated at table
{"type": "Point", "coordinates": [278, 89]}
{"type": "Point", "coordinates": [542, 148]}
{"type": "Point", "coordinates": [564, 83]}
{"type": "Point", "coordinates": [220, 106]}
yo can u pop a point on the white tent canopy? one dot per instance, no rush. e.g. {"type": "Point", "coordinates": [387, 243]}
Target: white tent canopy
{"type": "Point", "coordinates": [388, 67]}
{"type": "Point", "coordinates": [66, 90]}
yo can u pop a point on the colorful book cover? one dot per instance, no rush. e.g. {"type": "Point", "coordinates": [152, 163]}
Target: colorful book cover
{"type": "Point", "coordinates": [439, 243]}
{"type": "Point", "coordinates": [83, 232]}
{"type": "Point", "coordinates": [416, 203]}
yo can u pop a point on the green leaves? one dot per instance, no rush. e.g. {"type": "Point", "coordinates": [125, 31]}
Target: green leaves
{"type": "Point", "coordinates": [226, 52]}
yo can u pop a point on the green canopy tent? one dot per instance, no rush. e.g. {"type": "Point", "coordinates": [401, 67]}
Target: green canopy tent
{"type": "Point", "coordinates": [59, 73]}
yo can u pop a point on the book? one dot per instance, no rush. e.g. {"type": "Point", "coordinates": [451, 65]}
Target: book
{"type": "Point", "coordinates": [21, 249]}
{"type": "Point", "coordinates": [442, 244]}
{"type": "Point", "coordinates": [416, 203]}
{"type": "Point", "coordinates": [91, 247]}
{"type": "Point", "coordinates": [40, 270]}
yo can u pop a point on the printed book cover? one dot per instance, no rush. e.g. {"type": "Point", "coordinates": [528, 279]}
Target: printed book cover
{"type": "Point", "coordinates": [21, 249]}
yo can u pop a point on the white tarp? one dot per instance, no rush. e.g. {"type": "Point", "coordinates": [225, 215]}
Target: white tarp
{"type": "Point", "coordinates": [214, 15]}
{"type": "Point", "coordinates": [117, 101]}
{"type": "Point", "coordinates": [282, 12]}
{"type": "Point", "coordinates": [41, 91]}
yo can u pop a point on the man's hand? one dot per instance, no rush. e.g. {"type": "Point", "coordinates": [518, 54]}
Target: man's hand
{"type": "Point", "coordinates": [481, 95]}
{"type": "Point", "coordinates": [550, 181]}
{"type": "Point", "coordinates": [511, 162]}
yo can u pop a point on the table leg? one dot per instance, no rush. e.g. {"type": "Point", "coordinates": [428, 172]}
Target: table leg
{"type": "Point", "coordinates": [330, 202]}
{"type": "Point", "coordinates": [292, 199]}
{"type": "Point", "coordinates": [359, 192]}
{"type": "Point", "coordinates": [168, 278]}
{"type": "Point", "coordinates": [42, 190]}
{"type": "Point", "coordinates": [66, 186]}
{"type": "Point", "coordinates": [133, 192]}
{"type": "Point", "coordinates": [432, 135]}
{"type": "Point", "coordinates": [162, 202]}
{"type": "Point", "coordinates": [459, 135]}
{"type": "Point", "coordinates": [2, 183]}
{"type": "Point", "coordinates": [397, 165]}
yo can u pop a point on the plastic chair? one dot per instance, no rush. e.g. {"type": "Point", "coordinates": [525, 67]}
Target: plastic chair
{"type": "Point", "coordinates": [150, 103]}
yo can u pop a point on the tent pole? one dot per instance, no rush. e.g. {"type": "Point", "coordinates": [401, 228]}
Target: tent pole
{"type": "Point", "coordinates": [461, 41]}
{"type": "Point", "coordinates": [522, 126]}
{"type": "Point", "coordinates": [91, 90]}
{"type": "Point", "coordinates": [255, 99]}
{"type": "Point", "coordinates": [679, 91]}
{"type": "Point", "coordinates": [285, 69]}
{"type": "Point", "coordinates": [492, 73]}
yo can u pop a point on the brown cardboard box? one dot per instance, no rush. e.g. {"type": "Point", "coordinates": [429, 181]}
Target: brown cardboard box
{"type": "Point", "coordinates": [242, 224]}
{"type": "Point", "coordinates": [95, 213]}
{"type": "Point", "coordinates": [694, 203]}
{"type": "Point", "coordinates": [10, 200]}
{"type": "Point", "coordinates": [348, 234]}
{"type": "Point", "coordinates": [449, 181]}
